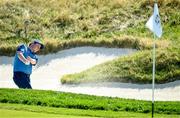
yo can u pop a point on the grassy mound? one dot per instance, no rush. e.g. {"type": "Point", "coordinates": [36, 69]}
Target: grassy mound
{"type": "Point", "coordinates": [136, 68]}
{"type": "Point", "coordinates": [56, 22]}
{"type": "Point", "coordinates": [79, 101]}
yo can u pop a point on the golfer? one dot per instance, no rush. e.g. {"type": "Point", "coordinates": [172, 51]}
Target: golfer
{"type": "Point", "coordinates": [24, 59]}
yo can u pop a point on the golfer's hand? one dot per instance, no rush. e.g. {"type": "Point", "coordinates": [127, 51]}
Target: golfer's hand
{"type": "Point", "coordinates": [27, 62]}
{"type": "Point", "coordinates": [32, 61]}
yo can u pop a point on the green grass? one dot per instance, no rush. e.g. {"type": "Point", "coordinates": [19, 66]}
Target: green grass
{"type": "Point", "coordinates": [17, 110]}
{"type": "Point", "coordinates": [26, 114]}
{"type": "Point", "coordinates": [86, 102]}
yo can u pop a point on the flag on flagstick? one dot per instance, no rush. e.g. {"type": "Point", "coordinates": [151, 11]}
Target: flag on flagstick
{"type": "Point", "coordinates": [154, 23]}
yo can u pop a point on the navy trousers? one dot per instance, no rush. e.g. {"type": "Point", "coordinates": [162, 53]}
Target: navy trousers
{"type": "Point", "coordinates": [22, 80]}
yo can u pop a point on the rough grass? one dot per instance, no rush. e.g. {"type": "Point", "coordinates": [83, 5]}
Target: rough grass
{"type": "Point", "coordinates": [54, 45]}
{"type": "Point", "coordinates": [83, 20]}
{"type": "Point", "coordinates": [79, 101]}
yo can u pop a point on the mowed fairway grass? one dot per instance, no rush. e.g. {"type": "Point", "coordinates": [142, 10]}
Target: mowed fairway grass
{"type": "Point", "coordinates": [30, 111]}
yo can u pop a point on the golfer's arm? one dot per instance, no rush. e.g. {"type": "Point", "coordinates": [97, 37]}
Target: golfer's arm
{"type": "Point", "coordinates": [21, 57]}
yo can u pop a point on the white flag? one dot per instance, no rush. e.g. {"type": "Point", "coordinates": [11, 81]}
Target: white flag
{"type": "Point", "coordinates": [154, 23]}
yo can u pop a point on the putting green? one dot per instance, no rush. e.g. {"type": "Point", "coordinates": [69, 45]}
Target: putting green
{"type": "Point", "coordinates": [26, 114]}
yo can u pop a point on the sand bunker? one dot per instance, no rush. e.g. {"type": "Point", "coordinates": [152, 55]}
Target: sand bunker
{"type": "Point", "coordinates": [46, 75]}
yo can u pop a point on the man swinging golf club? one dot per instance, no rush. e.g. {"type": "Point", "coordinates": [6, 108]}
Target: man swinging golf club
{"type": "Point", "coordinates": [24, 59]}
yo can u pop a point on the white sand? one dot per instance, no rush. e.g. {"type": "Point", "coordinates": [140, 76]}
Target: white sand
{"type": "Point", "coordinates": [46, 75]}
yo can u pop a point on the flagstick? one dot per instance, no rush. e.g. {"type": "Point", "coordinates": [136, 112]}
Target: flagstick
{"type": "Point", "coordinates": [154, 62]}
{"type": "Point", "coordinates": [153, 78]}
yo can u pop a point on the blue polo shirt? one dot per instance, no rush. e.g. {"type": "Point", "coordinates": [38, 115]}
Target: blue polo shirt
{"type": "Point", "coordinates": [19, 66]}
